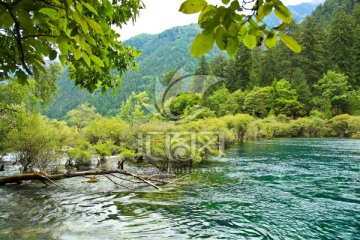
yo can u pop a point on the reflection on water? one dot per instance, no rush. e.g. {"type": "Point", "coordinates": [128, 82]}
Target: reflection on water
{"type": "Point", "coordinates": [281, 189]}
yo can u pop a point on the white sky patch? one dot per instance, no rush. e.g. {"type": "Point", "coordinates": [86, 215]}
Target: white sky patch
{"type": "Point", "coordinates": [160, 15]}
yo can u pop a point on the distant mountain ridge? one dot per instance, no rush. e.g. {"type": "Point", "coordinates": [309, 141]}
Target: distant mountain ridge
{"type": "Point", "coordinates": [299, 13]}
{"type": "Point", "coordinates": [161, 53]}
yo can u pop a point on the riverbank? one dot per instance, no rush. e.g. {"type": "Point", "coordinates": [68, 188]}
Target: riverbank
{"type": "Point", "coordinates": [162, 144]}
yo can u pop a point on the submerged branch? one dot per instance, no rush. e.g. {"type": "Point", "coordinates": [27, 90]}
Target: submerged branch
{"type": "Point", "coordinates": [41, 177]}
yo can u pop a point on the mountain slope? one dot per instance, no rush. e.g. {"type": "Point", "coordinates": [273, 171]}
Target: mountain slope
{"type": "Point", "coordinates": [299, 13]}
{"type": "Point", "coordinates": [161, 53]}
{"type": "Point", "coordinates": [326, 11]}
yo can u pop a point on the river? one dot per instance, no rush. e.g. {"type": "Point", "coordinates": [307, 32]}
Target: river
{"type": "Point", "coordinates": [278, 189]}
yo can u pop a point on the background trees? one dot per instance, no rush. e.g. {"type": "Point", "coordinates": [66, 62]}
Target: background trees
{"type": "Point", "coordinates": [335, 88]}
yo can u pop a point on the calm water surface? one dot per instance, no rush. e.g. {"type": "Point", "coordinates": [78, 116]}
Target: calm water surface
{"type": "Point", "coordinates": [280, 189]}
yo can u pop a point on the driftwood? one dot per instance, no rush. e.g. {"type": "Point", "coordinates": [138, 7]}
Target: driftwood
{"type": "Point", "coordinates": [45, 177]}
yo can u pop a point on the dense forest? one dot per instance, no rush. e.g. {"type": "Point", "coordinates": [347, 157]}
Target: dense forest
{"type": "Point", "coordinates": [161, 53]}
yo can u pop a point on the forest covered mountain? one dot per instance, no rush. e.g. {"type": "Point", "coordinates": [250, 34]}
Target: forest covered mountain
{"type": "Point", "coordinates": [161, 53]}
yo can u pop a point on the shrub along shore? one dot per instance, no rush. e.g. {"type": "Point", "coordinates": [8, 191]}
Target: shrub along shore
{"type": "Point", "coordinates": [41, 146]}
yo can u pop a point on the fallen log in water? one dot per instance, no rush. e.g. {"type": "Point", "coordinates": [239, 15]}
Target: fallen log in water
{"type": "Point", "coordinates": [46, 177]}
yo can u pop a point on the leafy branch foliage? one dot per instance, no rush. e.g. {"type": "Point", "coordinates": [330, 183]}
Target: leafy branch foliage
{"type": "Point", "coordinates": [238, 21]}
{"type": "Point", "coordinates": [79, 33]}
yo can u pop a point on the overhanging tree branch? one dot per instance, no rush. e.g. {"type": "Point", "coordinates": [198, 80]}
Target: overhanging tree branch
{"type": "Point", "coordinates": [18, 37]}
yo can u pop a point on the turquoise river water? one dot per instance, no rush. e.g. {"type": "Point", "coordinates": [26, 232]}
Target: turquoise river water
{"type": "Point", "coordinates": [278, 189]}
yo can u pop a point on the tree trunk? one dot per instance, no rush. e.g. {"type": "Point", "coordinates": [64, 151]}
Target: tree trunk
{"type": "Point", "coordinates": [43, 177]}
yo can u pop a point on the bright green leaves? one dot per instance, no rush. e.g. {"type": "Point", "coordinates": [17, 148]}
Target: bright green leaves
{"type": "Point", "coordinates": [192, 6]}
{"type": "Point", "coordinates": [49, 12]}
{"type": "Point", "coordinates": [232, 47]}
{"type": "Point", "coordinates": [86, 59]}
{"type": "Point", "coordinates": [264, 10]}
{"type": "Point", "coordinates": [282, 12]}
{"type": "Point", "coordinates": [271, 40]}
{"type": "Point", "coordinates": [97, 60]}
{"type": "Point", "coordinates": [290, 43]}
{"type": "Point", "coordinates": [202, 44]}
{"type": "Point", "coordinates": [230, 25]}
{"type": "Point", "coordinates": [95, 26]}
{"type": "Point", "coordinates": [89, 7]}
{"type": "Point", "coordinates": [221, 38]}
{"type": "Point", "coordinates": [250, 41]}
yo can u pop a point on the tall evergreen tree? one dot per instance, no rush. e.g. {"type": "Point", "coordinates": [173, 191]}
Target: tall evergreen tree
{"type": "Point", "coordinates": [356, 58]}
{"type": "Point", "coordinates": [299, 83]}
{"type": "Point", "coordinates": [218, 66]}
{"type": "Point", "coordinates": [312, 57]}
{"type": "Point", "coordinates": [239, 70]}
{"type": "Point", "coordinates": [356, 48]}
{"type": "Point", "coordinates": [201, 72]}
{"type": "Point", "coordinates": [341, 39]}
{"type": "Point", "coordinates": [285, 59]}
{"type": "Point", "coordinates": [255, 74]}
{"type": "Point", "coordinates": [268, 68]}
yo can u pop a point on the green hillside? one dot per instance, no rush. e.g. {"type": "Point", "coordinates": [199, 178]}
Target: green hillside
{"type": "Point", "coordinates": [161, 53]}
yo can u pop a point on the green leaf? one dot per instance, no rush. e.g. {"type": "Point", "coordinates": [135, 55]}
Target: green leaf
{"type": "Point", "coordinates": [77, 54]}
{"type": "Point", "coordinates": [91, 8]}
{"type": "Point", "coordinates": [282, 13]}
{"type": "Point", "coordinates": [267, 8]}
{"type": "Point", "coordinates": [221, 40]}
{"type": "Point", "coordinates": [82, 21]}
{"type": "Point", "coordinates": [232, 47]}
{"type": "Point", "coordinates": [52, 55]}
{"type": "Point", "coordinates": [235, 6]}
{"type": "Point", "coordinates": [264, 10]}
{"type": "Point", "coordinates": [281, 27]}
{"type": "Point", "coordinates": [192, 6]}
{"type": "Point", "coordinates": [95, 26]}
{"type": "Point", "coordinates": [242, 32]}
{"type": "Point", "coordinates": [64, 47]}
{"type": "Point", "coordinates": [207, 12]}
{"type": "Point", "coordinates": [271, 40]}
{"type": "Point", "coordinates": [202, 44]}
{"type": "Point", "coordinates": [86, 59]}
{"type": "Point", "coordinates": [49, 12]}
{"type": "Point", "coordinates": [250, 41]}
{"type": "Point", "coordinates": [97, 60]}
{"type": "Point", "coordinates": [290, 43]}
{"type": "Point", "coordinates": [233, 29]}
{"type": "Point", "coordinates": [90, 40]}
{"type": "Point", "coordinates": [6, 20]}
{"type": "Point", "coordinates": [225, 1]}
{"type": "Point", "coordinates": [260, 14]}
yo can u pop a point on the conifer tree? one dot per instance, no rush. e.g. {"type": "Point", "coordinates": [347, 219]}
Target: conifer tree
{"type": "Point", "coordinates": [201, 72]}
{"type": "Point", "coordinates": [312, 58]}
{"type": "Point", "coordinates": [239, 70]}
{"type": "Point", "coordinates": [341, 39]}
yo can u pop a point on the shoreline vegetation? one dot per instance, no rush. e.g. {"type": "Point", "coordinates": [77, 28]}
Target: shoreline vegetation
{"type": "Point", "coordinates": [42, 144]}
